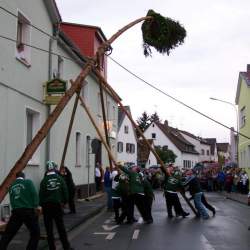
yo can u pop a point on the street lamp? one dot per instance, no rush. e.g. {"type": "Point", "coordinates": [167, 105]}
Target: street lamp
{"type": "Point", "coordinates": [237, 124]}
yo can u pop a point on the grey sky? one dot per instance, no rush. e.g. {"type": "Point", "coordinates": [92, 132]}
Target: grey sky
{"type": "Point", "coordinates": [217, 47]}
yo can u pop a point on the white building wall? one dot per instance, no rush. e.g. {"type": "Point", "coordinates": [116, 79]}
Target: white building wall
{"type": "Point", "coordinates": [151, 160]}
{"type": "Point", "coordinates": [21, 87]}
{"type": "Point", "coordinates": [127, 138]}
{"type": "Point", "coordinates": [162, 140]}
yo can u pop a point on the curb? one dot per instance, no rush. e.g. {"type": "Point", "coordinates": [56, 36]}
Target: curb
{"type": "Point", "coordinates": [94, 197]}
{"type": "Point", "coordinates": [86, 217]}
{"type": "Point", "coordinates": [78, 223]}
{"type": "Point", "coordinates": [232, 199]}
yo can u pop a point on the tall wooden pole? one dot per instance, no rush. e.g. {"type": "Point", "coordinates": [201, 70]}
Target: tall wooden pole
{"type": "Point", "coordinates": [69, 130]}
{"type": "Point", "coordinates": [103, 111]}
{"type": "Point", "coordinates": [37, 140]}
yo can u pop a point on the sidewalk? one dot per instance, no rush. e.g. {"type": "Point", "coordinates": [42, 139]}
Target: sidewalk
{"type": "Point", "coordinates": [242, 198]}
{"type": "Point", "coordinates": [84, 211]}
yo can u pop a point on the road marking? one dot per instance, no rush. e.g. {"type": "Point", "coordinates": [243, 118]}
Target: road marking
{"type": "Point", "coordinates": [205, 243]}
{"type": "Point", "coordinates": [107, 221]}
{"type": "Point", "coordinates": [140, 220]}
{"type": "Point", "coordinates": [109, 228]}
{"type": "Point", "coordinates": [110, 235]}
{"type": "Point", "coordinates": [136, 234]}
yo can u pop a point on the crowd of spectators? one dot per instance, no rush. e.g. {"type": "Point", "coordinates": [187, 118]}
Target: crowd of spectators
{"type": "Point", "coordinates": [227, 179]}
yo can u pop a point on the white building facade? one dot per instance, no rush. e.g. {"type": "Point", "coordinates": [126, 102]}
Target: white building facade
{"type": "Point", "coordinates": [24, 70]}
{"type": "Point", "coordinates": [126, 139]}
{"type": "Point", "coordinates": [165, 136]}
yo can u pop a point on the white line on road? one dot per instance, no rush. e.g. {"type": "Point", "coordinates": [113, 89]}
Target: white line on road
{"type": "Point", "coordinates": [136, 234]}
{"type": "Point", "coordinates": [110, 235]}
{"type": "Point", "coordinates": [109, 228]}
{"type": "Point", "coordinates": [205, 243]}
{"type": "Point", "coordinates": [108, 221]}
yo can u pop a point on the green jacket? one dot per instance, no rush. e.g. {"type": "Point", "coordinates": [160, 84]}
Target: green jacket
{"type": "Point", "coordinates": [135, 181]}
{"type": "Point", "coordinates": [53, 189]}
{"type": "Point", "coordinates": [23, 194]}
{"type": "Point", "coordinates": [172, 183]}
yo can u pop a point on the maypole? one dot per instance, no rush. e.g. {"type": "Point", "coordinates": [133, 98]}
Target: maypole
{"type": "Point", "coordinates": [162, 33]}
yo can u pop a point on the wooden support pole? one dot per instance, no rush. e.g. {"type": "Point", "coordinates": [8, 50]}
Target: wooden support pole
{"type": "Point", "coordinates": [69, 129]}
{"type": "Point", "coordinates": [117, 99]}
{"type": "Point", "coordinates": [103, 110]}
{"type": "Point", "coordinates": [97, 130]}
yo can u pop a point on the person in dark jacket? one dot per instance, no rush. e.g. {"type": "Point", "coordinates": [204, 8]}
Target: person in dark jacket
{"type": "Point", "coordinates": [108, 188]}
{"type": "Point", "coordinates": [24, 203]}
{"type": "Point", "coordinates": [149, 197]}
{"type": "Point", "coordinates": [194, 188]}
{"type": "Point", "coordinates": [53, 196]}
{"type": "Point", "coordinates": [137, 195]}
{"type": "Point", "coordinates": [67, 176]}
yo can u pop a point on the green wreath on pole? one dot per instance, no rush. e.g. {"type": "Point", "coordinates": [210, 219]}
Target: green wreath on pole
{"type": "Point", "coordinates": [162, 33]}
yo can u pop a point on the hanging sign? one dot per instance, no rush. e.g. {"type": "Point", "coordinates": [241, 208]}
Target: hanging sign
{"type": "Point", "coordinates": [52, 99]}
{"type": "Point", "coordinates": [56, 86]}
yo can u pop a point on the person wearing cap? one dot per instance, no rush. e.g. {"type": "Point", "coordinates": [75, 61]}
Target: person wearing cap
{"type": "Point", "coordinates": [137, 195]}
{"type": "Point", "coordinates": [24, 203]}
{"type": "Point", "coordinates": [171, 186]}
{"type": "Point", "coordinates": [53, 196]}
{"type": "Point", "coordinates": [193, 185]}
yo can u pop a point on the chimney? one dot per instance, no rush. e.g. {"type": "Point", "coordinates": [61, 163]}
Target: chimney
{"type": "Point", "coordinates": [166, 123]}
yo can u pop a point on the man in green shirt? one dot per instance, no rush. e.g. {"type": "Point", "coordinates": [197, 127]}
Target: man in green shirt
{"type": "Point", "coordinates": [137, 195]}
{"type": "Point", "coordinates": [172, 185]}
{"type": "Point", "coordinates": [53, 195]}
{"type": "Point", "coordinates": [24, 203]}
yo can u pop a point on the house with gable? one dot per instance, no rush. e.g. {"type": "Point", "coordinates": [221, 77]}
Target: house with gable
{"type": "Point", "coordinates": [201, 145]}
{"type": "Point", "coordinates": [126, 139]}
{"type": "Point", "coordinates": [224, 150]}
{"type": "Point", "coordinates": [214, 152]}
{"type": "Point", "coordinates": [24, 72]}
{"type": "Point", "coordinates": [243, 101]}
{"type": "Point", "coordinates": [145, 157]}
{"type": "Point", "coordinates": [165, 136]}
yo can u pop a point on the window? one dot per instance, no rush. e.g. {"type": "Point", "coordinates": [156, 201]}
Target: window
{"type": "Point", "coordinates": [202, 152]}
{"type": "Point", "coordinates": [23, 37]}
{"type": "Point", "coordinates": [208, 152]}
{"type": "Point", "coordinates": [127, 147]}
{"type": "Point", "coordinates": [78, 149]}
{"type": "Point", "coordinates": [85, 92]}
{"type": "Point", "coordinates": [126, 129]}
{"type": "Point", "coordinates": [99, 105]}
{"type": "Point", "coordinates": [130, 148]}
{"type": "Point", "coordinates": [114, 113]}
{"type": "Point", "coordinates": [165, 148]}
{"type": "Point", "coordinates": [32, 125]}
{"type": "Point", "coordinates": [120, 147]}
{"type": "Point", "coordinates": [153, 135]}
{"type": "Point", "coordinates": [242, 118]}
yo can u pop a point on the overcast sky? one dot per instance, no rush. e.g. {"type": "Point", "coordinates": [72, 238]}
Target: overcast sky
{"type": "Point", "coordinates": [216, 48]}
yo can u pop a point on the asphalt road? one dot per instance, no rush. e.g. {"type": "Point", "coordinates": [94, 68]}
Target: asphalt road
{"type": "Point", "coordinates": [227, 230]}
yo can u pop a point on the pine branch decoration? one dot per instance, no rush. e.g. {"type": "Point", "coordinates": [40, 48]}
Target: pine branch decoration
{"type": "Point", "coordinates": [162, 33]}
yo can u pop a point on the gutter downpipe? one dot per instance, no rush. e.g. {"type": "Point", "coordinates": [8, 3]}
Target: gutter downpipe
{"type": "Point", "coordinates": [51, 40]}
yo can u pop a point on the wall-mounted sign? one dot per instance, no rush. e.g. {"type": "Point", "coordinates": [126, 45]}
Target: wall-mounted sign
{"type": "Point", "coordinates": [52, 99]}
{"type": "Point", "coordinates": [56, 86]}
